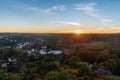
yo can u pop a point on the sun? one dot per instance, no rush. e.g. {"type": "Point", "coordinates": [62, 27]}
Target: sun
{"type": "Point", "coordinates": [77, 32]}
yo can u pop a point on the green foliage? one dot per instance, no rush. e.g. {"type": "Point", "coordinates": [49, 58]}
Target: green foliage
{"type": "Point", "coordinates": [50, 65]}
{"type": "Point", "coordinates": [92, 54]}
{"type": "Point", "coordinates": [65, 75]}
{"type": "Point", "coordinates": [84, 67]}
{"type": "Point", "coordinates": [72, 61]}
{"type": "Point", "coordinates": [22, 71]}
{"type": "Point", "coordinates": [110, 64]}
{"type": "Point", "coordinates": [55, 65]}
{"type": "Point", "coordinates": [4, 75]}
{"type": "Point", "coordinates": [93, 43]}
{"type": "Point", "coordinates": [53, 75]}
{"type": "Point", "coordinates": [114, 78]}
{"type": "Point", "coordinates": [70, 66]}
{"type": "Point", "coordinates": [49, 57]}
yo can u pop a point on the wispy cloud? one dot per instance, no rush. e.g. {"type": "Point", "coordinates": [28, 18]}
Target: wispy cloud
{"type": "Point", "coordinates": [115, 28]}
{"type": "Point", "coordinates": [90, 10]}
{"type": "Point", "coordinates": [106, 29]}
{"type": "Point", "coordinates": [50, 10]}
{"type": "Point", "coordinates": [35, 0]}
{"type": "Point", "coordinates": [70, 23]}
{"type": "Point", "coordinates": [106, 21]}
{"type": "Point", "coordinates": [56, 8]}
{"type": "Point", "coordinates": [85, 7]}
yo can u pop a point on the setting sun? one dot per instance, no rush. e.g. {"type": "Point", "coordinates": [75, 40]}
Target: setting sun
{"type": "Point", "coordinates": [77, 32]}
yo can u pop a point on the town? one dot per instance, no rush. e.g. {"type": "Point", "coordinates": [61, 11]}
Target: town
{"type": "Point", "coordinates": [47, 55]}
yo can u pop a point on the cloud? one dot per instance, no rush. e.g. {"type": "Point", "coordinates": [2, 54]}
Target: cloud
{"type": "Point", "coordinates": [111, 29]}
{"type": "Point", "coordinates": [115, 28]}
{"type": "Point", "coordinates": [70, 23]}
{"type": "Point", "coordinates": [57, 7]}
{"type": "Point", "coordinates": [85, 7]}
{"type": "Point", "coordinates": [50, 10]}
{"type": "Point", "coordinates": [106, 21]}
{"type": "Point", "coordinates": [35, 0]}
{"type": "Point", "coordinates": [102, 28]}
{"type": "Point", "coordinates": [88, 8]}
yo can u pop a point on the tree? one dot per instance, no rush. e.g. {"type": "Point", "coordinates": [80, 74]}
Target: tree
{"type": "Point", "coordinates": [110, 64]}
{"type": "Point", "coordinates": [63, 75]}
{"type": "Point", "coordinates": [54, 65]}
{"type": "Point", "coordinates": [53, 75]}
{"type": "Point", "coordinates": [114, 78]}
{"type": "Point", "coordinates": [4, 75]}
{"type": "Point", "coordinates": [72, 61]}
{"type": "Point", "coordinates": [66, 75]}
{"type": "Point", "coordinates": [84, 67]}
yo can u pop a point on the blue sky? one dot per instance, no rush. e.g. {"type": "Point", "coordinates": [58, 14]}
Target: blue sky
{"type": "Point", "coordinates": [59, 16]}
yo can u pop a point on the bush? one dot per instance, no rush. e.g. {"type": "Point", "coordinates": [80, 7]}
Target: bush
{"type": "Point", "coordinates": [53, 75]}
{"type": "Point", "coordinates": [84, 67]}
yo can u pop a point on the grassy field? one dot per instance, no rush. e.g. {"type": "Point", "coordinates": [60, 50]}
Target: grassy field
{"type": "Point", "coordinates": [94, 43]}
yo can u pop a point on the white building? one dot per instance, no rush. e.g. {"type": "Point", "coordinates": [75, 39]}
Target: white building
{"type": "Point", "coordinates": [55, 52]}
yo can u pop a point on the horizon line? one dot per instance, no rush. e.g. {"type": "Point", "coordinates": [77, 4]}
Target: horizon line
{"type": "Point", "coordinates": [56, 33]}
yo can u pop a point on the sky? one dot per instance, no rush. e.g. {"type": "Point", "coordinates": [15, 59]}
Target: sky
{"type": "Point", "coordinates": [60, 16]}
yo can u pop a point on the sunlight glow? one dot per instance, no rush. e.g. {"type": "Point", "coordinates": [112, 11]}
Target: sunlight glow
{"type": "Point", "coordinates": [77, 32]}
